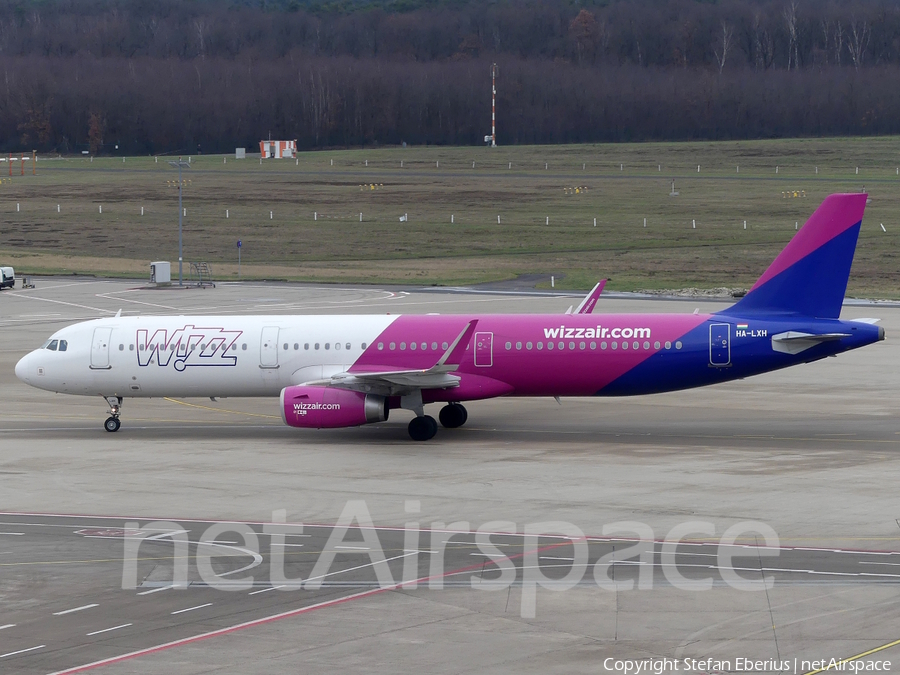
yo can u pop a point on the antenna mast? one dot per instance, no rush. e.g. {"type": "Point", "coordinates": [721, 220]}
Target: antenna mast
{"type": "Point", "coordinates": [493, 105]}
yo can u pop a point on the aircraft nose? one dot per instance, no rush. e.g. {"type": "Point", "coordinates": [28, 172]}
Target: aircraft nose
{"type": "Point", "coordinates": [22, 371]}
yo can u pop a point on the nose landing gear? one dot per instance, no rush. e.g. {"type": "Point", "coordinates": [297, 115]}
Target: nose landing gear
{"type": "Point", "coordinates": [112, 422]}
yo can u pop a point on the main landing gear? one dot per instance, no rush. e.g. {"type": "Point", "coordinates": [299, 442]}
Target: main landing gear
{"type": "Point", "coordinates": [453, 415]}
{"type": "Point", "coordinates": [112, 422]}
{"type": "Point", "coordinates": [424, 427]}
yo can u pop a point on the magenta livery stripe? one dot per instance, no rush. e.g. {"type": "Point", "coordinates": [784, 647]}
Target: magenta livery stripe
{"type": "Point", "coordinates": [835, 215]}
{"type": "Point", "coordinates": [528, 355]}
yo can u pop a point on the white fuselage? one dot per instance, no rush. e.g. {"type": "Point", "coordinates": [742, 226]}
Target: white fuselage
{"type": "Point", "coordinates": [212, 355]}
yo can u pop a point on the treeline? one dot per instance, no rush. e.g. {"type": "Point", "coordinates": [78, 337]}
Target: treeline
{"type": "Point", "coordinates": [169, 76]}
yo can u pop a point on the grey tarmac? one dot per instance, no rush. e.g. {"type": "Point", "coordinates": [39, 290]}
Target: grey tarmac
{"type": "Point", "coordinates": [811, 452]}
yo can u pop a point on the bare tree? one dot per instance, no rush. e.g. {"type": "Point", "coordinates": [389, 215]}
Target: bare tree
{"type": "Point", "coordinates": [721, 55]}
{"type": "Point", "coordinates": [838, 42]}
{"type": "Point", "coordinates": [790, 20]}
{"type": "Point", "coordinates": [858, 41]}
{"type": "Point", "coordinates": [763, 45]}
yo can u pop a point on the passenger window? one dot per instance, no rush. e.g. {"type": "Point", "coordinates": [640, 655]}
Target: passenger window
{"type": "Point", "coordinates": [678, 345]}
{"type": "Point", "coordinates": [296, 346]}
{"type": "Point", "coordinates": [412, 345]}
{"type": "Point", "coordinates": [306, 345]}
{"type": "Point", "coordinates": [624, 344]}
{"type": "Point", "coordinates": [646, 345]}
{"type": "Point", "coordinates": [244, 347]}
{"type": "Point", "coordinates": [668, 345]}
{"type": "Point", "coordinates": [348, 346]}
{"type": "Point", "coordinates": [581, 346]}
{"type": "Point", "coordinates": [445, 346]}
{"type": "Point", "coordinates": [615, 345]}
{"type": "Point", "coordinates": [393, 346]}
{"type": "Point", "coordinates": [593, 345]}
{"type": "Point", "coordinates": [549, 345]}
{"type": "Point", "coordinates": [131, 348]}
{"type": "Point", "coordinates": [53, 345]}
{"type": "Point", "coordinates": [434, 346]}
{"type": "Point", "coordinates": [518, 345]}
{"type": "Point", "coordinates": [327, 345]}
{"type": "Point", "coordinates": [380, 346]}
{"type": "Point", "coordinates": [561, 345]}
{"type": "Point", "coordinates": [363, 346]}
{"type": "Point", "coordinates": [234, 348]}
{"type": "Point", "coordinates": [121, 348]}
{"type": "Point", "coordinates": [656, 345]}
{"type": "Point", "coordinates": [402, 346]}
{"type": "Point", "coordinates": [528, 346]}
{"type": "Point", "coordinates": [424, 346]}
{"type": "Point", "coordinates": [337, 345]}
{"type": "Point", "coordinates": [285, 346]}
{"type": "Point", "coordinates": [540, 345]}
{"type": "Point", "coordinates": [141, 348]}
{"type": "Point", "coordinates": [317, 346]}
{"type": "Point", "coordinates": [508, 346]}
{"type": "Point", "coordinates": [602, 345]}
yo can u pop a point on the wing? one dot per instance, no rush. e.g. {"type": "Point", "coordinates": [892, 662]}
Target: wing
{"type": "Point", "coordinates": [403, 382]}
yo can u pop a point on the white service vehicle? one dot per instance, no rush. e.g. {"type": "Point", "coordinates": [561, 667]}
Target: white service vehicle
{"type": "Point", "coordinates": [7, 277]}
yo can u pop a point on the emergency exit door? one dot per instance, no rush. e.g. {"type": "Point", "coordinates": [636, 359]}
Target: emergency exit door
{"type": "Point", "coordinates": [720, 345]}
{"type": "Point", "coordinates": [268, 347]}
{"type": "Point", "coordinates": [484, 349]}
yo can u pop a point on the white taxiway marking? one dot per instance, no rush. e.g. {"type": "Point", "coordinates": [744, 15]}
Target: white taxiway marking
{"type": "Point", "coordinates": [22, 651]}
{"type": "Point", "coordinates": [266, 590]}
{"type": "Point", "coordinates": [76, 609]}
{"type": "Point", "coordinates": [219, 542]}
{"type": "Point", "coordinates": [355, 548]}
{"type": "Point", "coordinates": [9, 625]}
{"type": "Point", "coordinates": [106, 630]}
{"type": "Point", "coordinates": [191, 609]}
{"type": "Point", "coordinates": [550, 557]}
{"type": "Point", "coordinates": [275, 543]}
{"type": "Point", "coordinates": [489, 555]}
{"type": "Point", "coordinates": [14, 534]}
{"type": "Point", "coordinates": [157, 590]}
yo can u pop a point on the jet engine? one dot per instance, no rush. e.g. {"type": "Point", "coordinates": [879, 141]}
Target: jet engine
{"type": "Point", "coordinates": [330, 408]}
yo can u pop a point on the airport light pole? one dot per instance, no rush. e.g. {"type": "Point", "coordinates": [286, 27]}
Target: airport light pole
{"type": "Point", "coordinates": [180, 163]}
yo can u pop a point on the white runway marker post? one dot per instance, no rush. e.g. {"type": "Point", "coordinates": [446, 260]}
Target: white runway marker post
{"type": "Point", "coordinates": [694, 224]}
{"type": "Point", "coordinates": [882, 228]}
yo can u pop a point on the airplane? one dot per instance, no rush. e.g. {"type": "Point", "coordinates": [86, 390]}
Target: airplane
{"type": "Point", "coordinates": [343, 371]}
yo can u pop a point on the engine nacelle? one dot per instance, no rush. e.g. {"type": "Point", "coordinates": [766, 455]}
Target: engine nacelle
{"type": "Point", "coordinates": [330, 408]}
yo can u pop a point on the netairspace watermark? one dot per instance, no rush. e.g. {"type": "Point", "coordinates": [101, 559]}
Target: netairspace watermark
{"type": "Point", "coordinates": [635, 547]}
{"type": "Point", "coordinates": [741, 664]}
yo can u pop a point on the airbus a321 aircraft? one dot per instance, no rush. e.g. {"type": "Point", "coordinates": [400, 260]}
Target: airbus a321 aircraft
{"type": "Point", "coordinates": [342, 371]}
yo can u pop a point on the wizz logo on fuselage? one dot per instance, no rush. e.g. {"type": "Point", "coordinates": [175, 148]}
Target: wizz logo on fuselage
{"type": "Point", "coordinates": [188, 346]}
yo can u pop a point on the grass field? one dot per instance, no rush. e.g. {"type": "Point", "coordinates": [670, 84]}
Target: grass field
{"type": "Point", "coordinates": [625, 183]}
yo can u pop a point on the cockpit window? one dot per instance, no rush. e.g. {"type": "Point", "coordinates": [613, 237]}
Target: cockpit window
{"type": "Point", "coordinates": [53, 344]}
{"type": "Point", "coordinates": [63, 345]}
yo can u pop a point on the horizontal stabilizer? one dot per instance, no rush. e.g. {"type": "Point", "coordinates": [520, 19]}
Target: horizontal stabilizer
{"type": "Point", "coordinates": [794, 342]}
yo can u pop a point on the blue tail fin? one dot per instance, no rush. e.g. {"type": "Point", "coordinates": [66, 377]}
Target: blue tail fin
{"type": "Point", "coordinates": [809, 277]}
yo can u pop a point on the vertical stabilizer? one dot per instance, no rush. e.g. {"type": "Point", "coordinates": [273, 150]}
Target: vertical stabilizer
{"type": "Point", "coordinates": [809, 277]}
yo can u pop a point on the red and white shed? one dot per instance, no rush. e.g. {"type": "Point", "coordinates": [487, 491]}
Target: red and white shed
{"type": "Point", "coordinates": [277, 149]}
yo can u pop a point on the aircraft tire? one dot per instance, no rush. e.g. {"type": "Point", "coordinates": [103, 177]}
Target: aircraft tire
{"type": "Point", "coordinates": [453, 415]}
{"type": "Point", "coordinates": [422, 428]}
{"type": "Point", "coordinates": [112, 424]}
